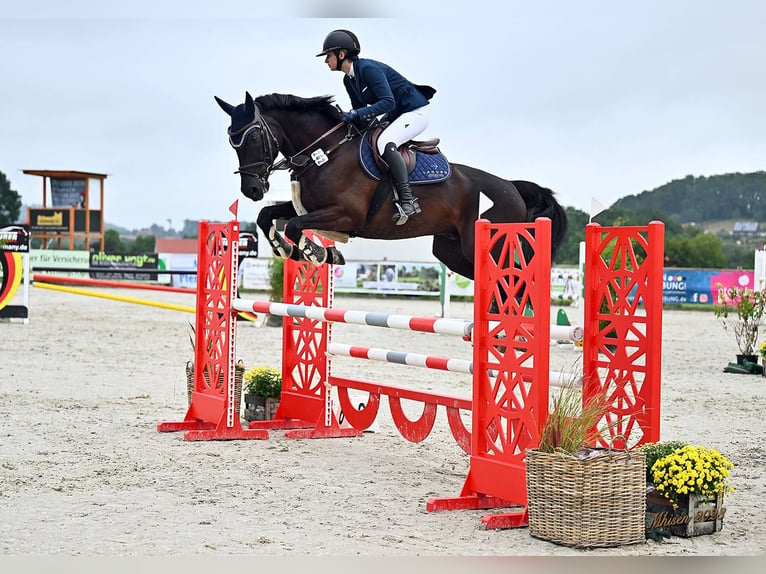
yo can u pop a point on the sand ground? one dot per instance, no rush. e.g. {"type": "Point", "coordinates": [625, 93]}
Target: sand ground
{"type": "Point", "coordinates": [83, 470]}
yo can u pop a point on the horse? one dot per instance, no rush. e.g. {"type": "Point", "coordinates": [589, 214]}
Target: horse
{"type": "Point", "coordinates": [336, 197]}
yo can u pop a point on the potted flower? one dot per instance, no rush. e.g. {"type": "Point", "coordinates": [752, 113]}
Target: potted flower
{"type": "Point", "coordinates": [741, 310]}
{"type": "Point", "coordinates": [579, 495]}
{"type": "Point", "coordinates": [762, 351]}
{"type": "Point", "coordinates": [239, 371]}
{"type": "Point", "coordinates": [686, 488]}
{"type": "Point", "coordinates": [263, 388]}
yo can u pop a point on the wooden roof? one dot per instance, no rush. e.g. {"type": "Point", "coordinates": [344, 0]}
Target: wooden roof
{"type": "Point", "coordinates": [64, 173]}
{"type": "Point", "coordinates": [175, 245]}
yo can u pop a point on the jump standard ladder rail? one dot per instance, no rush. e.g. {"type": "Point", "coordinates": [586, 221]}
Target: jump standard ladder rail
{"type": "Point", "coordinates": [621, 353]}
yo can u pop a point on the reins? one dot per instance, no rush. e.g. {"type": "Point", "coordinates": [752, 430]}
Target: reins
{"type": "Point", "coordinates": [298, 160]}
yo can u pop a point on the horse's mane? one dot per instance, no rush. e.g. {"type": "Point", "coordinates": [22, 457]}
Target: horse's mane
{"type": "Point", "coordinates": [321, 104]}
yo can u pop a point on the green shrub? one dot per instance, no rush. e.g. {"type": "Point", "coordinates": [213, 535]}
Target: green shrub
{"type": "Point", "coordinates": [263, 381]}
{"type": "Point", "coordinates": [657, 450]}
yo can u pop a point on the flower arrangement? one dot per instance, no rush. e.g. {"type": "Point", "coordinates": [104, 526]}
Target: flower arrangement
{"type": "Point", "coordinates": [655, 451]}
{"type": "Point", "coordinates": [263, 381]}
{"type": "Point", "coordinates": [742, 310]}
{"type": "Point", "coordinates": [691, 470]}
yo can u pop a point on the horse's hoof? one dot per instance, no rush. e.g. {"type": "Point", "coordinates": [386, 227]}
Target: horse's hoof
{"type": "Point", "coordinates": [314, 253]}
{"type": "Point", "coordinates": [335, 257]}
{"type": "Point", "coordinates": [282, 252]}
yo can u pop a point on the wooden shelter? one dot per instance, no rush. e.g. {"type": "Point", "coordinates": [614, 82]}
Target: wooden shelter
{"type": "Point", "coordinates": [68, 213]}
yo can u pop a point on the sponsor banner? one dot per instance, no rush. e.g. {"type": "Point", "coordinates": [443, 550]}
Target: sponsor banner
{"type": "Point", "coordinates": [182, 262]}
{"type": "Point", "coordinates": [700, 285]}
{"type": "Point", "coordinates": [123, 262]}
{"type": "Point", "coordinates": [248, 245]}
{"type": "Point", "coordinates": [52, 220]}
{"type": "Point", "coordinates": [60, 258]}
{"type": "Point", "coordinates": [42, 220]}
{"type": "Point", "coordinates": [254, 274]}
{"type": "Point", "coordinates": [383, 277]}
{"type": "Point", "coordinates": [14, 238]}
{"type": "Point", "coordinates": [459, 285]}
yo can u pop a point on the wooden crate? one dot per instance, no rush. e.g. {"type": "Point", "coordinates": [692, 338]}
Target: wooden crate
{"type": "Point", "coordinates": [258, 408]}
{"type": "Point", "coordinates": [695, 515]}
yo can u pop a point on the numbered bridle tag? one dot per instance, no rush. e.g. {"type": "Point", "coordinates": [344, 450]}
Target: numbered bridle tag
{"type": "Point", "coordinates": [319, 156]}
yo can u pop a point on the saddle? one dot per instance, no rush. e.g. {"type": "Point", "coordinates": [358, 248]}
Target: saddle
{"type": "Point", "coordinates": [425, 162]}
{"type": "Point", "coordinates": [407, 150]}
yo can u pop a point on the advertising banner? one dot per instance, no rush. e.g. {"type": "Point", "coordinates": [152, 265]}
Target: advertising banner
{"type": "Point", "coordinates": [14, 238]}
{"type": "Point", "coordinates": [700, 285]}
{"type": "Point", "coordinates": [124, 262]}
{"type": "Point", "coordinates": [388, 277]}
{"type": "Point", "coordinates": [43, 220]}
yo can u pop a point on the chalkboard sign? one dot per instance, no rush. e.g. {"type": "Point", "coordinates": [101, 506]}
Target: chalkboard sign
{"type": "Point", "coordinates": [67, 192]}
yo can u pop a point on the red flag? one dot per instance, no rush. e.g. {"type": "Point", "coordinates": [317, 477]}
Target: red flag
{"type": "Point", "coordinates": [233, 208]}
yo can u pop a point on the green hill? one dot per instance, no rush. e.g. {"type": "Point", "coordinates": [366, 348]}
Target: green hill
{"type": "Point", "coordinates": [731, 196]}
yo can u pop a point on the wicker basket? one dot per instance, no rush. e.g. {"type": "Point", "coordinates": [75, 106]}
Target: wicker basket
{"type": "Point", "coordinates": [599, 501]}
{"type": "Point", "coordinates": [238, 376]}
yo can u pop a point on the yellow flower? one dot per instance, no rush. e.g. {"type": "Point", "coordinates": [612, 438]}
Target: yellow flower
{"type": "Point", "coordinates": [691, 470]}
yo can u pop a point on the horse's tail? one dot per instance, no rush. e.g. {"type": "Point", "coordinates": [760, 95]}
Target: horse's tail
{"type": "Point", "coordinates": [541, 202]}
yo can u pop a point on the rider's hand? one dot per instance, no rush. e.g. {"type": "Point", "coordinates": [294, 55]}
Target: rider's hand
{"type": "Point", "coordinates": [349, 117]}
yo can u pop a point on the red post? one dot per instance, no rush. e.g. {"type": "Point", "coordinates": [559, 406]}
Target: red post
{"type": "Point", "coordinates": [211, 413]}
{"type": "Point", "coordinates": [510, 349]}
{"type": "Point", "coordinates": [622, 348]}
{"type": "Point", "coordinates": [305, 408]}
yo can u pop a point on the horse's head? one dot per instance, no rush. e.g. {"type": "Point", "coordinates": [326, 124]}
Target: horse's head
{"type": "Point", "coordinates": [255, 144]}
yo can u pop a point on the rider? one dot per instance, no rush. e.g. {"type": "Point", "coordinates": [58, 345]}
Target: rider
{"type": "Point", "coordinates": [376, 89]}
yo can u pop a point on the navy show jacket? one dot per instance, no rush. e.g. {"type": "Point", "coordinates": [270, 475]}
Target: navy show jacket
{"type": "Point", "coordinates": [377, 88]}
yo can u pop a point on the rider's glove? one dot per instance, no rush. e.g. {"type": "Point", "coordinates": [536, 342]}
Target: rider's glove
{"type": "Point", "coordinates": [349, 117]}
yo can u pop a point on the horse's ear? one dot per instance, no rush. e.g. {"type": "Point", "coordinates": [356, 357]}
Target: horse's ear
{"type": "Point", "coordinates": [228, 108]}
{"type": "Point", "coordinates": [249, 105]}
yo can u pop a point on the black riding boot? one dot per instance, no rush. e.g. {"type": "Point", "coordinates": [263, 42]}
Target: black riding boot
{"type": "Point", "coordinates": [408, 204]}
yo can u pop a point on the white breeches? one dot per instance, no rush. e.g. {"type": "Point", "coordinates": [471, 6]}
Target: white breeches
{"type": "Point", "coordinates": [404, 128]}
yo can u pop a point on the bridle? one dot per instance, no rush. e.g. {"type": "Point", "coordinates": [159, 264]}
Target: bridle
{"type": "Point", "coordinates": [271, 150]}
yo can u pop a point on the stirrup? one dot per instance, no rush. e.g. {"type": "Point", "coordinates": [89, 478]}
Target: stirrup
{"type": "Point", "coordinates": [401, 216]}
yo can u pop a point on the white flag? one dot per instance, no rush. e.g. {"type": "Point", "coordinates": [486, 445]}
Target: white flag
{"type": "Point", "coordinates": [596, 207]}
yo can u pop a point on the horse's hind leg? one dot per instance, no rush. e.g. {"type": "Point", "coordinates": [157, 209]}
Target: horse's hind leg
{"type": "Point", "coordinates": [449, 250]}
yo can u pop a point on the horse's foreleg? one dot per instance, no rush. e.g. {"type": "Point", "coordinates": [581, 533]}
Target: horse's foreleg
{"type": "Point", "coordinates": [279, 246]}
{"type": "Point", "coordinates": [265, 221]}
{"type": "Point", "coordinates": [317, 254]}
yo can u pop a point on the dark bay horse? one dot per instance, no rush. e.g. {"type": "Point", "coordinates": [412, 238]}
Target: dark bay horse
{"type": "Point", "coordinates": [336, 194]}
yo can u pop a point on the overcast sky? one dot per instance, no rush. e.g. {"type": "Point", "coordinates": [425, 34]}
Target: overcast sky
{"type": "Point", "coordinates": [592, 99]}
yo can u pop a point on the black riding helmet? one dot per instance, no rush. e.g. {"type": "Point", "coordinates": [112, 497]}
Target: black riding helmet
{"type": "Point", "coordinates": [341, 40]}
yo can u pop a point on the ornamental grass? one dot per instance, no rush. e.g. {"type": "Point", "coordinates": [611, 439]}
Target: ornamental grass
{"type": "Point", "coordinates": [572, 422]}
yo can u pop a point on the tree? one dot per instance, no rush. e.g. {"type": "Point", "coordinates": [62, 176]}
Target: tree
{"type": "Point", "coordinates": [112, 242]}
{"type": "Point", "coordinates": [142, 244]}
{"type": "Point", "coordinates": [569, 251]}
{"type": "Point", "coordinates": [10, 202]}
{"type": "Point", "coordinates": [189, 229]}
